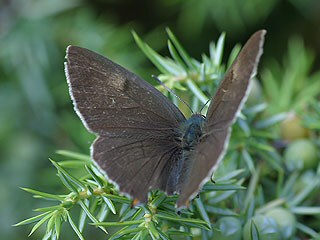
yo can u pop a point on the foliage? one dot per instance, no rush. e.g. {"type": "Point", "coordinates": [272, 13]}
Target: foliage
{"type": "Point", "coordinates": [291, 86]}
{"type": "Point", "coordinates": [251, 181]}
{"type": "Point", "coordinates": [230, 15]}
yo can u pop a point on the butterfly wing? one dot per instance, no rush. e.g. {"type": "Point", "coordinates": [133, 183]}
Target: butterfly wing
{"type": "Point", "coordinates": [134, 122]}
{"type": "Point", "coordinates": [221, 114]}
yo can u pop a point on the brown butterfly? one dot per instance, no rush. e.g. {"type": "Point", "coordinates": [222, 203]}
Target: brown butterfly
{"type": "Point", "coordinates": [144, 142]}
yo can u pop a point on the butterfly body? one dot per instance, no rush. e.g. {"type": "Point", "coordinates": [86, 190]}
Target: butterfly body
{"type": "Point", "coordinates": [192, 131]}
{"type": "Point", "coordinates": [144, 142]}
{"type": "Point", "coordinates": [188, 135]}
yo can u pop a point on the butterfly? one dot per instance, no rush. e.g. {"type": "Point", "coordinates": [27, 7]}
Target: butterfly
{"type": "Point", "coordinates": [144, 141]}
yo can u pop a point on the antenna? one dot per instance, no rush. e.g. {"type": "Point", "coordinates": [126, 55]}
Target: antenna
{"type": "Point", "coordinates": [172, 92]}
{"type": "Point", "coordinates": [205, 105]}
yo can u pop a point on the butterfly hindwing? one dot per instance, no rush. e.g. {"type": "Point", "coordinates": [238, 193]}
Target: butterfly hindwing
{"type": "Point", "coordinates": [137, 165]}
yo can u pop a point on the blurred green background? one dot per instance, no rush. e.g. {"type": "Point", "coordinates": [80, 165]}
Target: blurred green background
{"type": "Point", "coordinates": [36, 114]}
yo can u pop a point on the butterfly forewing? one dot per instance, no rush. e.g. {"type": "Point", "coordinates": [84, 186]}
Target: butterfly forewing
{"type": "Point", "coordinates": [107, 96]}
{"type": "Point", "coordinates": [222, 112]}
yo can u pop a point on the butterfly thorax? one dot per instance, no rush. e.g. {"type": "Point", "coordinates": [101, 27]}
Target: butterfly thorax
{"type": "Point", "coordinates": [190, 131]}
